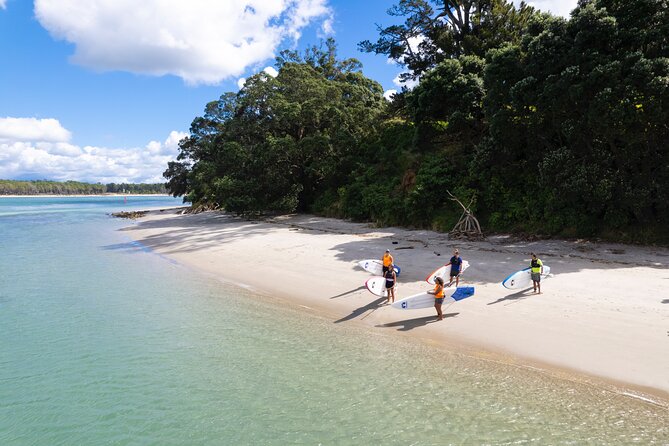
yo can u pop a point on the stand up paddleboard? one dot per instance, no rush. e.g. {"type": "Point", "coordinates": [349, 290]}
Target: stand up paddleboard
{"type": "Point", "coordinates": [377, 286]}
{"type": "Point", "coordinates": [376, 267]}
{"type": "Point", "coordinates": [445, 273]}
{"type": "Point", "coordinates": [425, 300]}
{"type": "Point", "coordinates": [523, 278]}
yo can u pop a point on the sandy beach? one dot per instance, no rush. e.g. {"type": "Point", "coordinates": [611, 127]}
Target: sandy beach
{"type": "Point", "coordinates": [603, 318]}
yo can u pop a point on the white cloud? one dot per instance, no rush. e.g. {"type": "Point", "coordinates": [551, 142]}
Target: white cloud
{"type": "Point", "coordinates": [271, 71]}
{"type": "Point", "coordinates": [241, 82]}
{"type": "Point", "coordinates": [201, 41]}
{"type": "Point", "coordinates": [388, 94]}
{"type": "Point", "coordinates": [558, 7]}
{"type": "Point", "coordinates": [31, 129]}
{"type": "Point", "coordinates": [59, 160]}
{"type": "Point", "coordinates": [327, 28]}
{"type": "Point", "coordinates": [3, 4]}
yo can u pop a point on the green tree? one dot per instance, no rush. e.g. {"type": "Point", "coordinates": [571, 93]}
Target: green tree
{"type": "Point", "coordinates": [280, 142]}
{"type": "Point", "coordinates": [435, 30]}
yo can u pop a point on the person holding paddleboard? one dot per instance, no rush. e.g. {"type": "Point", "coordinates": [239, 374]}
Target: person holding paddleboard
{"type": "Point", "coordinates": [387, 261]}
{"type": "Point", "coordinates": [391, 281]}
{"type": "Point", "coordinates": [536, 269]}
{"type": "Point", "coordinates": [438, 292]}
{"type": "Point", "coordinates": [456, 268]}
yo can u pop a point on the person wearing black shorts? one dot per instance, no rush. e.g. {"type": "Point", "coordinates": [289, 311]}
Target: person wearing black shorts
{"type": "Point", "coordinates": [391, 281]}
{"type": "Point", "coordinates": [456, 268]}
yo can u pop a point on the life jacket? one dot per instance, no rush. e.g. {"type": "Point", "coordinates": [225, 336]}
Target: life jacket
{"type": "Point", "coordinates": [536, 265]}
{"type": "Point", "coordinates": [438, 294]}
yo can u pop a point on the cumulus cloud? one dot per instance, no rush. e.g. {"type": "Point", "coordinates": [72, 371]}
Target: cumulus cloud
{"type": "Point", "coordinates": [31, 129]}
{"type": "Point", "coordinates": [55, 158]}
{"type": "Point", "coordinates": [201, 41]}
{"type": "Point", "coordinates": [388, 94]}
{"type": "Point", "coordinates": [558, 7]}
{"type": "Point", "coordinates": [271, 71]}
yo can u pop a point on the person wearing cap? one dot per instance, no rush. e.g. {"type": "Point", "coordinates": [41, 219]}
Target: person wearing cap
{"type": "Point", "coordinates": [387, 261]}
{"type": "Point", "coordinates": [536, 269]}
{"type": "Point", "coordinates": [456, 268]}
{"type": "Point", "coordinates": [391, 281]}
{"type": "Point", "coordinates": [438, 292]}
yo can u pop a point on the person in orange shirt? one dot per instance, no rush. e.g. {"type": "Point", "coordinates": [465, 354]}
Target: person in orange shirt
{"type": "Point", "coordinates": [438, 292]}
{"type": "Point", "coordinates": [387, 261]}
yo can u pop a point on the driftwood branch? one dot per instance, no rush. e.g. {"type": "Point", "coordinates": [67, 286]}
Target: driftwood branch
{"type": "Point", "coordinates": [468, 226]}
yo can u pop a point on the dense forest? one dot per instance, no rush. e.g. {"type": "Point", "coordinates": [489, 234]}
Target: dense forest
{"type": "Point", "coordinates": [548, 126]}
{"type": "Point", "coordinates": [43, 187]}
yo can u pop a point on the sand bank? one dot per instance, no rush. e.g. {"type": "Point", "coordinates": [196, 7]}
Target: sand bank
{"type": "Point", "coordinates": [603, 316]}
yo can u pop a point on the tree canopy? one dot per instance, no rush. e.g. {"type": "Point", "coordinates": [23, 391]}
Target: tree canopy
{"type": "Point", "coordinates": [278, 142]}
{"type": "Point", "coordinates": [547, 125]}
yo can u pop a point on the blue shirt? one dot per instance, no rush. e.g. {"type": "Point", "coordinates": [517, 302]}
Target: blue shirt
{"type": "Point", "coordinates": [456, 264]}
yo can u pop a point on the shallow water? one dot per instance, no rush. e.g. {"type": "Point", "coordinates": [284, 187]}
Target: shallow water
{"type": "Point", "coordinates": [103, 342]}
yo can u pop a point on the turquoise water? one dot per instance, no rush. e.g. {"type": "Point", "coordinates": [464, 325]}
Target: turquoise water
{"type": "Point", "coordinates": [103, 342]}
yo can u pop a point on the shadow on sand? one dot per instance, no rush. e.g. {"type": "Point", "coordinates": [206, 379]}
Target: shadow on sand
{"type": "Point", "coordinates": [520, 295]}
{"type": "Point", "coordinates": [360, 288]}
{"type": "Point", "coordinates": [362, 310]}
{"type": "Point", "coordinates": [410, 324]}
{"type": "Point", "coordinates": [665, 301]}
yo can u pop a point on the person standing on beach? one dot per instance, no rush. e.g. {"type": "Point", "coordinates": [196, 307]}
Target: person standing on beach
{"type": "Point", "coordinates": [391, 281]}
{"type": "Point", "coordinates": [536, 269]}
{"type": "Point", "coordinates": [387, 261]}
{"type": "Point", "coordinates": [456, 268]}
{"type": "Point", "coordinates": [438, 292]}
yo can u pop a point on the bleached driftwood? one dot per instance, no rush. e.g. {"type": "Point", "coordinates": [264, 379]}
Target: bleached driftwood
{"type": "Point", "coordinates": [468, 226]}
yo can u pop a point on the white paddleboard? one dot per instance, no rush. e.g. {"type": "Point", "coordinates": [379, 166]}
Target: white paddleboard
{"type": "Point", "coordinates": [445, 273]}
{"type": "Point", "coordinates": [523, 278]}
{"type": "Point", "coordinates": [375, 267]}
{"type": "Point", "coordinates": [377, 286]}
{"type": "Point", "coordinates": [425, 300]}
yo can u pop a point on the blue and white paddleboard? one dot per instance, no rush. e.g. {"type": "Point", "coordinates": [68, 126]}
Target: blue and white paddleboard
{"type": "Point", "coordinates": [375, 267]}
{"type": "Point", "coordinates": [523, 278]}
{"type": "Point", "coordinates": [425, 300]}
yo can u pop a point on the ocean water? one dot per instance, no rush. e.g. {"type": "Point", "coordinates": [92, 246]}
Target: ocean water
{"type": "Point", "coordinates": [104, 343]}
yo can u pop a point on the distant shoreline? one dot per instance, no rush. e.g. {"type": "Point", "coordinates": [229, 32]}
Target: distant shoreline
{"type": "Point", "coordinates": [83, 195]}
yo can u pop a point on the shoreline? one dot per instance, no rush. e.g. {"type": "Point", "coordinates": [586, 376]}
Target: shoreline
{"type": "Point", "coordinates": [597, 335]}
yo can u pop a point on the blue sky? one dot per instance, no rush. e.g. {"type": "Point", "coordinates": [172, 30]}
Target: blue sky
{"type": "Point", "coordinates": [102, 90]}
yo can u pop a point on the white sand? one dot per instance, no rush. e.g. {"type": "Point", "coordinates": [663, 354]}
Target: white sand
{"type": "Point", "coordinates": [604, 315]}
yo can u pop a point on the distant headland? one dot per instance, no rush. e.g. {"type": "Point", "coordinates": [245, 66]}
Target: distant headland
{"type": "Point", "coordinates": [46, 187]}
